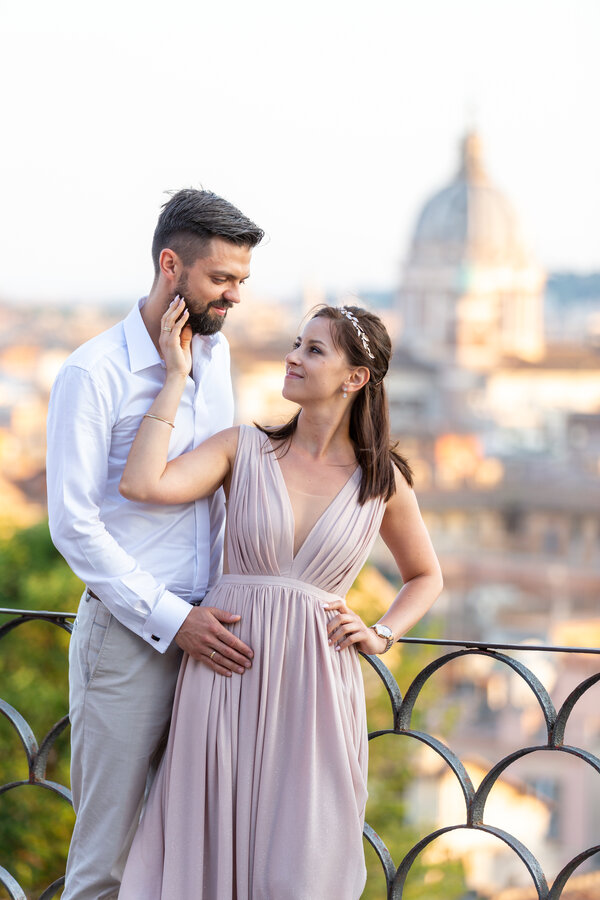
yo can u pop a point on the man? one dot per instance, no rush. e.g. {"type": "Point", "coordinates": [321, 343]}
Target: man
{"type": "Point", "coordinates": [145, 567]}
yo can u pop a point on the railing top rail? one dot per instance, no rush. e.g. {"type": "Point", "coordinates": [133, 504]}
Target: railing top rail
{"type": "Point", "coordinates": [490, 645]}
{"type": "Point", "coordinates": [38, 613]}
{"type": "Point", "coordinates": [434, 642]}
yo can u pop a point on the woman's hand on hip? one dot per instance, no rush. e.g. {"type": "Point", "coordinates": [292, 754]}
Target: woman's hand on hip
{"type": "Point", "coordinates": [347, 628]}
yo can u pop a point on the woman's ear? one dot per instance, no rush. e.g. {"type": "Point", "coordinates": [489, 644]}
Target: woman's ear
{"type": "Point", "coordinates": [357, 378]}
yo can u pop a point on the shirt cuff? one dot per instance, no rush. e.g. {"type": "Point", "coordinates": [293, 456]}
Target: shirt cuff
{"type": "Point", "coordinates": [165, 620]}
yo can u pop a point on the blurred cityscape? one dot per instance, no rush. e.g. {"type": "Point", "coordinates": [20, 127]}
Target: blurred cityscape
{"type": "Point", "coordinates": [494, 392]}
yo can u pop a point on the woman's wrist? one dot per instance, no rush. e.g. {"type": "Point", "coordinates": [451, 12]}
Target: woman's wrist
{"type": "Point", "coordinates": [175, 378]}
{"type": "Point", "coordinates": [385, 635]}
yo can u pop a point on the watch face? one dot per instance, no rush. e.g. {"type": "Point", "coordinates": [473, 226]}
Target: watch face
{"type": "Point", "coordinates": [383, 631]}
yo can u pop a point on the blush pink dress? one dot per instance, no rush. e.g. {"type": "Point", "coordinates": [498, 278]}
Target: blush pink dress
{"type": "Point", "coordinates": [261, 792]}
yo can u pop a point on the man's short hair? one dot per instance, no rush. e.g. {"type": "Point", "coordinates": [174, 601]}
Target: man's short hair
{"type": "Point", "coordinates": [190, 218]}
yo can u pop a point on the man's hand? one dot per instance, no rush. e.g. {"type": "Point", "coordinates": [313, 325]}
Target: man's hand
{"type": "Point", "coordinates": [205, 639]}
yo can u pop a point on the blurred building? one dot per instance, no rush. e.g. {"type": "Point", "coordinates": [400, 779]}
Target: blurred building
{"type": "Point", "coordinates": [572, 308]}
{"type": "Point", "coordinates": [33, 345]}
{"type": "Point", "coordinates": [472, 293]}
{"type": "Point", "coordinates": [579, 887]}
{"type": "Point", "coordinates": [475, 354]}
{"type": "Point", "coordinates": [501, 423]}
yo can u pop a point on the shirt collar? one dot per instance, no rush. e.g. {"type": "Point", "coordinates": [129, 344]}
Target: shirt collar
{"type": "Point", "coordinates": [140, 347]}
{"type": "Point", "coordinates": [205, 344]}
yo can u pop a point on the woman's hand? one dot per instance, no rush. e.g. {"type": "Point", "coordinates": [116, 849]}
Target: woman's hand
{"type": "Point", "coordinates": [176, 338]}
{"type": "Point", "coordinates": [347, 628]}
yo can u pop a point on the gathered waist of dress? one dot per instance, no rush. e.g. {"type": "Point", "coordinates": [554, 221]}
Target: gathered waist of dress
{"type": "Point", "coordinates": [281, 581]}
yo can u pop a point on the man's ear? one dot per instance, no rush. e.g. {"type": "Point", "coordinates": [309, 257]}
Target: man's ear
{"type": "Point", "coordinates": [169, 264]}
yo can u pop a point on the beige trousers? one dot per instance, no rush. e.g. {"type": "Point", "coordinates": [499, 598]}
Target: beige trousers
{"type": "Point", "coordinates": [120, 698]}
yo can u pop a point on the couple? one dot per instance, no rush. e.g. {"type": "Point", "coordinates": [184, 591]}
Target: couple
{"type": "Point", "coordinates": [262, 788]}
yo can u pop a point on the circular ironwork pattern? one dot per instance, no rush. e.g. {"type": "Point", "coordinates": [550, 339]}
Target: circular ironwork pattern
{"type": "Point", "coordinates": [36, 754]}
{"type": "Point", "coordinates": [401, 715]}
{"type": "Point", "coordinates": [402, 709]}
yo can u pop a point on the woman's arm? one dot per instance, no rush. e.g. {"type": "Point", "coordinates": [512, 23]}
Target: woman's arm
{"type": "Point", "coordinates": [148, 477]}
{"type": "Point", "coordinates": [404, 532]}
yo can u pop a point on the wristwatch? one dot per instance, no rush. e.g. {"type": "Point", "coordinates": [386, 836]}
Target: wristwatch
{"type": "Point", "coordinates": [384, 632]}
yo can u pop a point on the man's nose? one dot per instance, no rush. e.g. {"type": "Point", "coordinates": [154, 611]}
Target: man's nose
{"type": "Point", "coordinates": [233, 294]}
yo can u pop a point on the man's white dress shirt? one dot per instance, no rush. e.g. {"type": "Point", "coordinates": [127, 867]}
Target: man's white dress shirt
{"type": "Point", "coordinates": [144, 562]}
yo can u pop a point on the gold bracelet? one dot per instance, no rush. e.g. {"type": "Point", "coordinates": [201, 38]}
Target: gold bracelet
{"type": "Point", "coordinates": [158, 419]}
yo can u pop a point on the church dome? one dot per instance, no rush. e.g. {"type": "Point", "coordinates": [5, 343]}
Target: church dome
{"type": "Point", "coordinates": [470, 220]}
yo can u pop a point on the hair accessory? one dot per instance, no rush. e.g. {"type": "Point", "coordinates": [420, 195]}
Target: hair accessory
{"type": "Point", "coordinates": [158, 419]}
{"type": "Point", "coordinates": [358, 329]}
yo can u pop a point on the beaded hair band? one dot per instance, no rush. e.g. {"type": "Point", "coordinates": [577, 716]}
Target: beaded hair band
{"type": "Point", "coordinates": [359, 331]}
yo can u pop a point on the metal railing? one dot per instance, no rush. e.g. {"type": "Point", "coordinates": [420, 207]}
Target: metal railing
{"type": "Point", "coordinates": [402, 708]}
{"type": "Point", "coordinates": [36, 753]}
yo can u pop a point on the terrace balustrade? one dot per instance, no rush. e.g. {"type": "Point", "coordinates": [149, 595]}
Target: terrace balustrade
{"type": "Point", "coordinates": [471, 817]}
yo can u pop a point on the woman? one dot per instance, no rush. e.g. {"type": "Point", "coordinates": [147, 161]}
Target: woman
{"type": "Point", "coordinates": [261, 793]}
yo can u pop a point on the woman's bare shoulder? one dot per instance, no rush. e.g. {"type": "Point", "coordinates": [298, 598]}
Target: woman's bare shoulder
{"type": "Point", "coordinates": [227, 440]}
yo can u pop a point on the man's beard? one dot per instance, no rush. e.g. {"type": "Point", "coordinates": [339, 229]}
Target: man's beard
{"type": "Point", "coordinates": [205, 323]}
{"type": "Point", "coordinates": [202, 322]}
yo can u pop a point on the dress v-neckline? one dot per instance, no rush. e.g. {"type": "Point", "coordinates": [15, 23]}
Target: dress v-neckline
{"type": "Point", "coordinates": [286, 492]}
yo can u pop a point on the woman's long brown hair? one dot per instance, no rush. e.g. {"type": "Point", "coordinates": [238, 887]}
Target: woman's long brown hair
{"type": "Point", "coordinates": [369, 416]}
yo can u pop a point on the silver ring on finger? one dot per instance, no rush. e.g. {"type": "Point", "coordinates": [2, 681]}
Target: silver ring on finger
{"type": "Point", "coordinates": [212, 654]}
{"type": "Point", "coordinates": [166, 328]}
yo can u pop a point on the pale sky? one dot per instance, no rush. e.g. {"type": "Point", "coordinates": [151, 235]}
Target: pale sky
{"type": "Point", "coordinates": [329, 122]}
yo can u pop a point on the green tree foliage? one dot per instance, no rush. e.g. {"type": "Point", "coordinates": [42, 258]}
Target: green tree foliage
{"type": "Point", "coordinates": [35, 823]}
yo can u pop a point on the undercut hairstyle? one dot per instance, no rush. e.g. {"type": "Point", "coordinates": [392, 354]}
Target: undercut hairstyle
{"type": "Point", "coordinates": [369, 415]}
{"type": "Point", "coordinates": [190, 218]}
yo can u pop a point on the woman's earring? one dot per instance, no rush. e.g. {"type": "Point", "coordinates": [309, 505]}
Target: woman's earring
{"type": "Point", "coordinates": [344, 392]}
